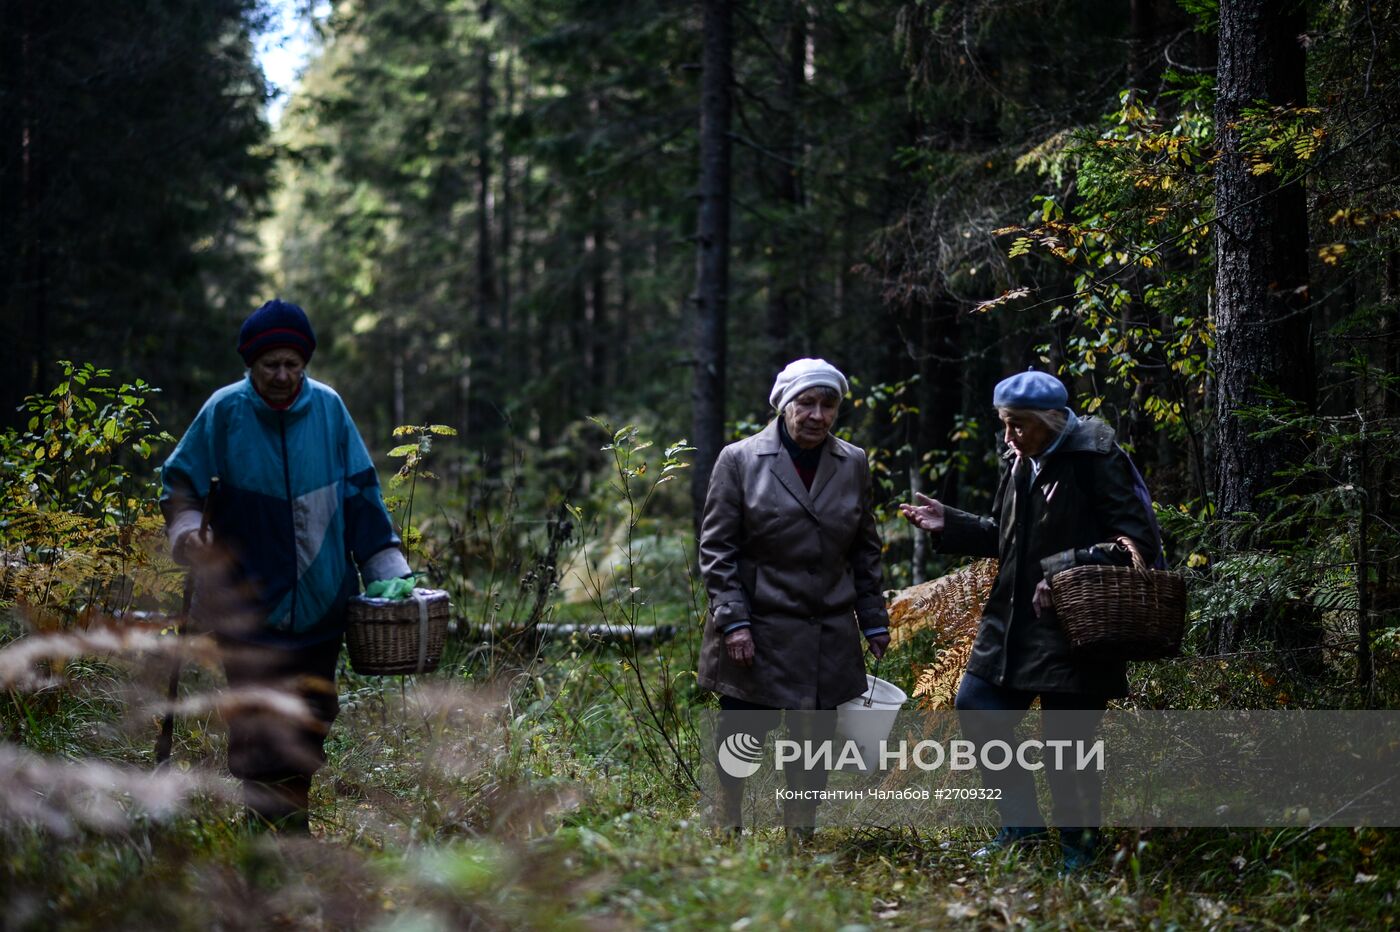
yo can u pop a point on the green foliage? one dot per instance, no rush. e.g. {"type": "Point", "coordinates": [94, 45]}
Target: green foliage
{"type": "Point", "coordinates": [82, 525]}
{"type": "Point", "coordinates": [649, 686]}
{"type": "Point", "coordinates": [1135, 234]}
{"type": "Point", "coordinates": [1282, 140]}
{"type": "Point", "coordinates": [1205, 12]}
{"type": "Point", "coordinates": [630, 467]}
{"type": "Point", "coordinates": [81, 436]}
{"type": "Point", "coordinates": [413, 455]}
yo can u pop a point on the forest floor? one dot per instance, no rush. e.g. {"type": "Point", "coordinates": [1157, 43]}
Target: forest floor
{"type": "Point", "coordinates": [532, 799]}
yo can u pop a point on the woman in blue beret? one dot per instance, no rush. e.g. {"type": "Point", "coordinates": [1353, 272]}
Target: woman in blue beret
{"type": "Point", "coordinates": [297, 521]}
{"type": "Point", "coordinates": [1067, 496]}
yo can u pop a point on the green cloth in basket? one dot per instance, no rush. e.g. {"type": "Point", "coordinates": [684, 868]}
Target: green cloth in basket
{"type": "Point", "coordinates": [395, 589]}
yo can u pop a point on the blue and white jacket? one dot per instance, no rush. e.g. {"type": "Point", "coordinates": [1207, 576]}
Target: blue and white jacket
{"type": "Point", "coordinates": [298, 500]}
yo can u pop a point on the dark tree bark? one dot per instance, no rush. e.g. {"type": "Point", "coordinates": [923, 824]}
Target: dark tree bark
{"type": "Point", "coordinates": [599, 325]}
{"type": "Point", "coordinates": [786, 259]}
{"type": "Point", "coordinates": [25, 355]}
{"type": "Point", "coordinates": [481, 416]}
{"type": "Point", "coordinates": [1379, 604]}
{"type": "Point", "coordinates": [711, 296]}
{"type": "Point", "coordinates": [507, 212]}
{"type": "Point", "coordinates": [1142, 16]}
{"type": "Point", "coordinates": [1263, 332]}
{"type": "Point", "coordinates": [582, 387]}
{"type": "Point", "coordinates": [1263, 338]}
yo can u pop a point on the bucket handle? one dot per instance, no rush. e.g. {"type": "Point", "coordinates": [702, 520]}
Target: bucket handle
{"type": "Point", "coordinates": [870, 693]}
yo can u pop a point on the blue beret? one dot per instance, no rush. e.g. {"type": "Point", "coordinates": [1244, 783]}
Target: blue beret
{"type": "Point", "coordinates": [1037, 390]}
{"type": "Point", "coordinates": [277, 323]}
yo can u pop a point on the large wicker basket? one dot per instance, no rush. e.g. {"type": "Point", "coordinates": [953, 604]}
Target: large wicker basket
{"type": "Point", "coordinates": [1121, 612]}
{"type": "Point", "coordinates": [397, 636]}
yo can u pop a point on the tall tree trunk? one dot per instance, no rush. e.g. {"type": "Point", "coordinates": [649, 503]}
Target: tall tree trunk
{"type": "Point", "coordinates": [26, 357]}
{"type": "Point", "coordinates": [1263, 334]}
{"type": "Point", "coordinates": [711, 297]}
{"type": "Point", "coordinates": [582, 386]}
{"type": "Point", "coordinates": [482, 418]}
{"type": "Point", "coordinates": [599, 330]}
{"type": "Point", "coordinates": [622, 333]}
{"type": "Point", "coordinates": [786, 260]}
{"type": "Point", "coordinates": [1379, 482]}
{"type": "Point", "coordinates": [507, 213]}
{"type": "Point", "coordinates": [1142, 17]}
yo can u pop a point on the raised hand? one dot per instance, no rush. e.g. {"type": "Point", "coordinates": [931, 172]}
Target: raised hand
{"type": "Point", "coordinates": [926, 515]}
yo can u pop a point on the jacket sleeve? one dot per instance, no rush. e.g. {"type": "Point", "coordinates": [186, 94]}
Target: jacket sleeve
{"type": "Point", "coordinates": [973, 535]}
{"type": "Point", "coordinates": [867, 563]}
{"type": "Point", "coordinates": [1109, 488]}
{"type": "Point", "coordinates": [721, 536]}
{"type": "Point", "coordinates": [369, 534]}
{"type": "Point", "coordinates": [184, 481]}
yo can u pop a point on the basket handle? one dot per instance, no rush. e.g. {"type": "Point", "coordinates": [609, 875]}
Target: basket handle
{"type": "Point", "coordinates": [422, 631]}
{"type": "Point", "coordinates": [1141, 568]}
{"type": "Point", "coordinates": [1139, 563]}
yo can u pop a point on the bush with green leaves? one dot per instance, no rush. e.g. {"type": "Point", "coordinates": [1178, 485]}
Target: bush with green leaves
{"type": "Point", "coordinates": [79, 516]}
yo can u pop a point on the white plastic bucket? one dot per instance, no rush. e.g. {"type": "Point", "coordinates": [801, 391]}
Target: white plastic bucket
{"type": "Point", "coordinates": [869, 725]}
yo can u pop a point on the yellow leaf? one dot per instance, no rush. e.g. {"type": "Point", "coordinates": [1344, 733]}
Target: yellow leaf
{"type": "Point", "coordinates": [1332, 253]}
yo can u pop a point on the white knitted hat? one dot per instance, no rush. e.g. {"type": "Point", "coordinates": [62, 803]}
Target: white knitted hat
{"type": "Point", "coordinates": [802, 374]}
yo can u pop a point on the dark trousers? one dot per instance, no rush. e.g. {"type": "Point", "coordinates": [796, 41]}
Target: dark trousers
{"type": "Point", "coordinates": [988, 712]}
{"type": "Point", "coordinates": [273, 752]}
{"type": "Point", "coordinates": [759, 720]}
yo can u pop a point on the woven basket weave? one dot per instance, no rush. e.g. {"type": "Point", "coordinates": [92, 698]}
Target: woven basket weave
{"type": "Point", "coordinates": [397, 636]}
{"type": "Point", "coordinates": [1121, 612]}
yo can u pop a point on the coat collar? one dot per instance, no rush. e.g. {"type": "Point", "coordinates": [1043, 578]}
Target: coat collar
{"type": "Point", "coordinates": [1090, 434]}
{"type": "Point", "coordinates": [768, 443]}
{"type": "Point", "coordinates": [300, 405]}
{"type": "Point", "coordinates": [1087, 435]}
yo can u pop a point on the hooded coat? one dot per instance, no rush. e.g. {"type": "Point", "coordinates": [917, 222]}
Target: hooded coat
{"type": "Point", "coordinates": [803, 566]}
{"type": "Point", "coordinates": [1083, 497]}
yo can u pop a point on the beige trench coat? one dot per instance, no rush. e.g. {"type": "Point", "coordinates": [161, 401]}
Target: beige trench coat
{"type": "Point", "coordinates": [803, 567]}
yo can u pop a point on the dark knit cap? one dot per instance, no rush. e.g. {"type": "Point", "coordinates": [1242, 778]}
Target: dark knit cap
{"type": "Point", "coordinates": [276, 324]}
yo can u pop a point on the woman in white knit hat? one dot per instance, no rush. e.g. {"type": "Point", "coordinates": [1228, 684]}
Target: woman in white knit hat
{"type": "Point", "coordinates": [791, 561]}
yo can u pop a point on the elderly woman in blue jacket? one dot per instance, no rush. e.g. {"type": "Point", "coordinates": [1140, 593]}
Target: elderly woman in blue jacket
{"type": "Point", "coordinates": [297, 522]}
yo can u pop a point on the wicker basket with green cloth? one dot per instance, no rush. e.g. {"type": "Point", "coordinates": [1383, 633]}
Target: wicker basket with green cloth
{"type": "Point", "coordinates": [397, 627]}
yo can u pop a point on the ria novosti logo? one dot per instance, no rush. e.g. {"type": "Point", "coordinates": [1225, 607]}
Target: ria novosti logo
{"type": "Point", "coordinates": [740, 755]}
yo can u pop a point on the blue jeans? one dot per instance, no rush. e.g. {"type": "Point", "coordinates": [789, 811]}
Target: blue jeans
{"type": "Point", "coordinates": [988, 712]}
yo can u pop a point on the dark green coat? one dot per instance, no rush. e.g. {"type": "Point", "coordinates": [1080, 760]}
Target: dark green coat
{"type": "Point", "coordinates": [1082, 497]}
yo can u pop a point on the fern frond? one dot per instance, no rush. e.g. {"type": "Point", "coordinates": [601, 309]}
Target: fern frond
{"type": "Point", "coordinates": [951, 605]}
{"type": "Point", "coordinates": [937, 685]}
